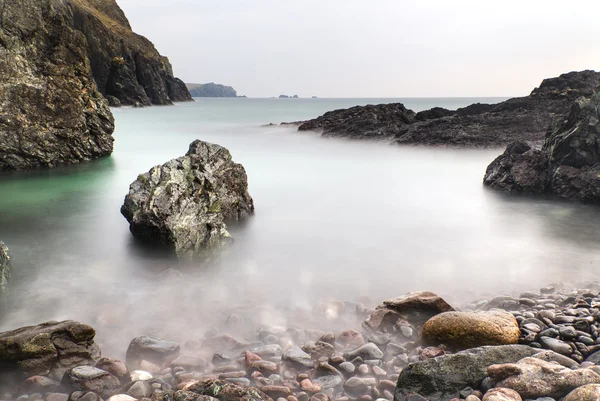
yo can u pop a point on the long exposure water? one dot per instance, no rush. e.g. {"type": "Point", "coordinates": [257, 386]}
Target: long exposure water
{"type": "Point", "coordinates": [335, 220]}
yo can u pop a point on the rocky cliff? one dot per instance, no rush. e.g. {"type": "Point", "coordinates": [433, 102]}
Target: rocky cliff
{"type": "Point", "coordinates": [51, 112]}
{"type": "Point", "coordinates": [568, 165]}
{"type": "Point", "coordinates": [479, 125]}
{"type": "Point", "coordinates": [126, 67]}
{"type": "Point", "coordinates": [211, 90]}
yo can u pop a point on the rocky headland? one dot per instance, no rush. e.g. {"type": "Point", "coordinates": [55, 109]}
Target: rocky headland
{"type": "Point", "coordinates": [211, 90]}
{"type": "Point", "coordinates": [539, 345]}
{"type": "Point", "coordinates": [184, 204]}
{"type": "Point", "coordinates": [568, 164]}
{"type": "Point", "coordinates": [478, 125]}
{"type": "Point", "coordinates": [58, 62]}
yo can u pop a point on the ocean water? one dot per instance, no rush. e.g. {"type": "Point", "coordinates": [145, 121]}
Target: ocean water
{"type": "Point", "coordinates": [336, 220]}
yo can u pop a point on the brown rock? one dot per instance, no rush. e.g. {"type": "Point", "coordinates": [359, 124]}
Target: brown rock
{"type": "Point", "coordinates": [415, 307]}
{"type": "Point", "coordinates": [309, 387]}
{"type": "Point", "coordinates": [465, 330]}
{"type": "Point", "coordinates": [115, 367]}
{"type": "Point", "coordinates": [276, 391]}
{"type": "Point", "coordinates": [589, 392]}
{"type": "Point", "coordinates": [502, 394]}
{"type": "Point", "coordinates": [351, 338]}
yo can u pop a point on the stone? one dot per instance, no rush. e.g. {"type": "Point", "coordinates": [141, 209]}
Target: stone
{"type": "Point", "coordinates": [319, 349]}
{"type": "Point", "coordinates": [121, 397]}
{"type": "Point", "coordinates": [366, 352]}
{"type": "Point", "coordinates": [88, 378]}
{"type": "Point", "coordinates": [276, 392]}
{"type": "Point", "coordinates": [568, 165]}
{"type": "Point", "coordinates": [155, 350]}
{"type": "Point", "coordinates": [464, 330]}
{"type": "Point", "coordinates": [137, 375]}
{"type": "Point", "coordinates": [350, 338]}
{"type": "Point", "coordinates": [140, 389]}
{"type": "Point", "coordinates": [184, 204]}
{"type": "Point", "coordinates": [308, 386]}
{"type": "Point", "coordinates": [264, 367]}
{"type": "Point", "coordinates": [502, 394]}
{"type": "Point", "coordinates": [48, 349]}
{"type": "Point", "coordinates": [415, 307]}
{"type": "Point", "coordinates": [57, 397]}
{"type": "Point", "coordinates": [328, 382]}
{"type": "Point", "coordinates": [589, 392]}
{"type": "Point", "coordinates": [478, 125]}
{"type": "Point", "coordinates": [38, 384]}
{"type": "Point", "coordinates": [443, 377]}
{"type": "Point", "coordinates": [556, 345]}
{"type": "Point", "coordinates": [355, 387]}
{"type": "Point", "coordinates": [298, 358]}
{"type": "Point", "coordinates": [533, 378]}
{"type": "Point", "coordinates": [190, 363]}
{"type": "Point", "coordinates": [115, 367]}
{"type": "Point", "coordinates": [5, 274]}
{"type": "Point", "coordinates": [224, 391]}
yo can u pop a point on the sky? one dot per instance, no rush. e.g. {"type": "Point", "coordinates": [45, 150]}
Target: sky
{"type": "Point", "coordinates": [372, 48]}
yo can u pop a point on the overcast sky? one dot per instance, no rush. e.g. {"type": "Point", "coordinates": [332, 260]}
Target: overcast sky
{"type": "Point", "coordinates": [372, 48]}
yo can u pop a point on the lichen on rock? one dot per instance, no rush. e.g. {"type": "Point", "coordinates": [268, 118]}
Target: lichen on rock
{"type": "Point", "coordinates": [184, 204]}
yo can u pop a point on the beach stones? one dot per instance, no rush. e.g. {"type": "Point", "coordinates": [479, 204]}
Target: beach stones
{"type": "Point", "coordinates": [589, 392]}
{"type": "Point", "coordinates": [88, 378]}
{"type": "Point", "coordinates": [151, 349]}
{"type": "Point", "coordinates": [502, 394]}
{"type": "Point", "coordinates": [464, 330]}
{"type": "Point", "coordinates": [298, 358]}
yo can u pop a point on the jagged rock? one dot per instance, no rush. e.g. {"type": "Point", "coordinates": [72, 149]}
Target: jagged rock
{"type": "Point", "coordinates": [184, 204]}
{"type": "Point", "coordinates": [51, 112]}
{"type": "Point", "coordinates": [443, 377]}
{"type": "Point", "coordinates": [533, 378]}
{"type": "Point", "coordinates": [5, 273]}
{"type": "Point", "coordinates": [151, 349]}
{"type": "Point", "coordinates": [47, 349]}
{"type": "Point", "coordinates": [480, 125]}
{"type": "Point", "coordinates": [463, 330]}
{"type": "Point", "coordinates": [415, 307]}
{"type": "Point", "coordinates": [211, 90]}
{"type": "Point", "coordinates": [88, 378]}
{"type": "Point", "coordinates": [568, 166]}
{"type": "Point", "coordinates": [224, 391]}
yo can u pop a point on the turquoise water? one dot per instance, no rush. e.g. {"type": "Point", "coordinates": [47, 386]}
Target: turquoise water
{"type": "Point", "coordinates": [335, 220]}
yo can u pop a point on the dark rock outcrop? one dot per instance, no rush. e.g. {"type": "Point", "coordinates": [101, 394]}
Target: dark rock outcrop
{"type": "Point", "coordinates": [124, 64]}
{"type": "Point", "coordinates": [568, 165]}
{"type": "Point", "coordinates": [442, 378]}
{"type": "Point", "coordinates": [184, 204]}
{"type": "Point", "coordinates": [50, 110]}
{"type": "Point", "coordinates": [5, 273]}
{"type": "Point", "coordinates": [47, 349]}
{"type": "Point", "coordinates": [478, 125]}
{"type": "Point", "coordinates": [211, 90]}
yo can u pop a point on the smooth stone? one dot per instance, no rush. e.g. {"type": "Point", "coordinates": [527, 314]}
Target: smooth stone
{"type": "Point", "coordinates": [502, 394]}
{"type": "Point", "coordinates": [590, 392]}
{"type": "Point", "coordinates": [151, 349]}
{"type": "Point", "coordinates": [367, 351]}
{"type": "Point", "coordinates": [556, 345]}
{"type": "Point", "coordinates": [355, 387]}
{"type": "Point", "coordinates": [298, 358]}
{"type": "Point", "coordinates": [138, 375]}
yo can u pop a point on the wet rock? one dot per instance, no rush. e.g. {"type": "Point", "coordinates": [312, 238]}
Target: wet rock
{"type": "Point", "coordinates": [556, 345]}
{"type": "Point", "coordinates": [319, 349]}
{"type": "Point", "coordinates": [502, 394]}
{"type": "Point", "coordinates": [589, 392]}
{"type": "Point", "coordinates": [355, 387]}
{"type": "Point", "coordinates": [184, 204]}
{"type": "Point", "coordinates": [224, 391]}
{"type": "Point", "coordinates": [47, 349]}
{"type": "Point", "coordinates": [155, 350]}
{"type": "Point", "coordinates": [415, 307]}
{"type": "Point", "coordinates": [298, 358]}
{"type": "Point", "coordinates": [328, 382]}
{"type": "Point", "coordinates": [115, 367]}
{"type": "Point", "coordinates": [533, 378]}
{"type": "Point", "coordinates": [276, 392]}
{"type": "Point", "coordinates": [366, 352]}
{"type": "Point", "coordinates": [463, 330]}
{"type": "Point", "coordinates": [190, 363]}
{"type": "Point", "coordinates": [443, 377]}
{"type": "Point", "coordinates": [88, 378]}
{"type": "Point", "coordinates": [140, 389]}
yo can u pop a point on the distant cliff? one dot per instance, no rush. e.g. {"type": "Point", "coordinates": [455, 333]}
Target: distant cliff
{"type": "Point", "coordinates": [211, 90]}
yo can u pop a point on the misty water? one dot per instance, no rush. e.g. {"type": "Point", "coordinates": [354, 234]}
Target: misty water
{"type": "Point", "coordinates": [336, 220]}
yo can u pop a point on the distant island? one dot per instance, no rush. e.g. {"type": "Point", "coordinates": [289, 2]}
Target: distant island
{"type": "Point", "coordinates": [211, 90]}
{"type": "Point", "coordinates": [288, 97]}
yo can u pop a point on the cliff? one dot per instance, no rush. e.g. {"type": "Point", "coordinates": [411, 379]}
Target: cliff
{"type": "Point", "coordinates": [51, 112]}
{"type": "Point", "coordinates": [211, 90]}
{"type": "Point", "coordinates": [479, 125]}
{"type": "Point", "coordinates": [127, 67]}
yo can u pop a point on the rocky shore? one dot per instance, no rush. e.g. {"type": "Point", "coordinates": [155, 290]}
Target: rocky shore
{"type": "Point", "coordinates": [478, 125]}
{"type": "Point", "coordinates": [540, 345]}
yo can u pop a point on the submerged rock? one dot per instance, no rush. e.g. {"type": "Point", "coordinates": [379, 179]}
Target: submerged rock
{"type": "Point", "coordinates": [47, 349]}
{"type": "Point", "coordinates": [478, 125]}
{"type": "Point", "coordinates": [568, 165]}
{"type": "Point", "coordinates": [184, 204]}
{"type": "Point", "coordinates": [463, 330]}
{"type": "Point", "coordinates": [5, 273]}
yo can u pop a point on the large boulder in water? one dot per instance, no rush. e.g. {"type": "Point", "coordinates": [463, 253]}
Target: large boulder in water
{"type": "Point", "coordinates": [184, 204]}
{"type": "Point", "coordinates": [47, 349]}
{"type": "Point", "coordinates": [568, 165]}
